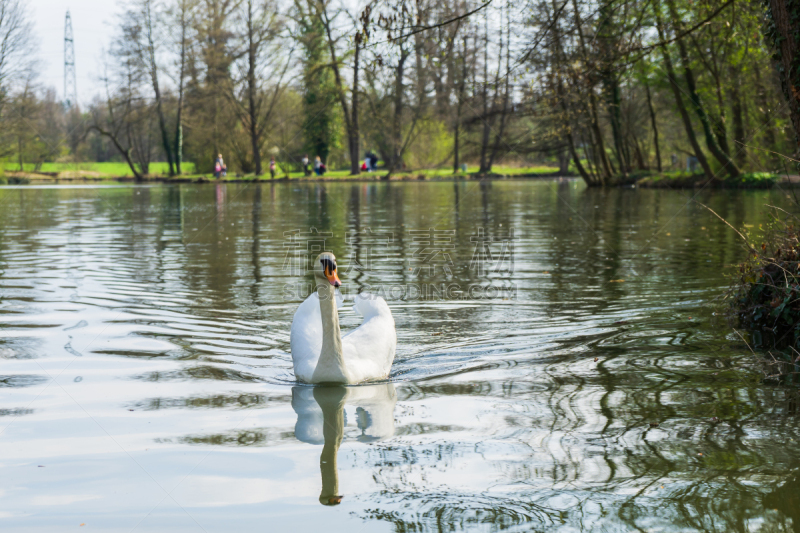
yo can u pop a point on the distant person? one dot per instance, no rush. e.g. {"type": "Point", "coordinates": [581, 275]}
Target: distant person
{"type": "Point", "coordinates": [318, 166]}
{"type": "Point", "coordinates": [272, 167]}
{"type": "Point", "coordinates": [373, 161]}
{"type": "Point", "coordinates": [219, 166]}
{"type": "Point", "coordinates": [364, 167]}
{"type": "Point", "coordinates": [306, 171]}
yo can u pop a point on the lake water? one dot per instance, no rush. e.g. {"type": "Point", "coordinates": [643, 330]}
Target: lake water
{"type": "Point", "coordinates": [561, 363]}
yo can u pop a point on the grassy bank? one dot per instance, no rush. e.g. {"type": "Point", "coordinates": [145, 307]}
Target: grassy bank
{"type": "Point", "coordinates": [89, 170]}
{"type": "Point", "coordinates": [687, 180]}
{"type": "Point", "coordinates": [106, 171]}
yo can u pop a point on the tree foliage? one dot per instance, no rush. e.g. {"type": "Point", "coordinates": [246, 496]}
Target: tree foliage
{"type": "Point", "coordinates": [607, 89]}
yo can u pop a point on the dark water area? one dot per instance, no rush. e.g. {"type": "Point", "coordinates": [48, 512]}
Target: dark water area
{"type": "Point", "coordinates": [562, 364]}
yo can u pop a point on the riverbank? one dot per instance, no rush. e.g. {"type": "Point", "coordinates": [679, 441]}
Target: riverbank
{"type": "Point", "coordinates": [645, 180]}
{"type": "Point", "coordinates": [685, 180]}
{"type": "Point", "coordinates": [338, 176]}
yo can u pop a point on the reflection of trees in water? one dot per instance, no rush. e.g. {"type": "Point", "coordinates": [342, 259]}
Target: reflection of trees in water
{"type": "Point", "coordinates": [785, 501]}
{"type": "Point", "coordinates": [255, 248]}
{"type": "Point", "coordinates": [586, 475]}
{"type": "Point", "coordinates": [445, 512]}
{"type": "Point", "coordinates": [217, 401]}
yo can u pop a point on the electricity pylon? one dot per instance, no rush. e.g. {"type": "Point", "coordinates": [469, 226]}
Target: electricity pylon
{"type": "Point", "coordinates": [70, 86]}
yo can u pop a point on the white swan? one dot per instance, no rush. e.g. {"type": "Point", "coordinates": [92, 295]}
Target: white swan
{"type": "Point", "coordinates": [319, 351]}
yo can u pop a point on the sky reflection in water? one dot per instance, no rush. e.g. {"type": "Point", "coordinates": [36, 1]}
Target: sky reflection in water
{"type": "Point", "coordinates": [147, 386]}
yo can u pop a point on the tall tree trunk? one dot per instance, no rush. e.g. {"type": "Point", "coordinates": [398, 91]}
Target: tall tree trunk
{"type": "Point", "coordinates": [153, 68]}
{"type": "Point", "coordinates": [348, 125]}
{"type": "Point", "coordinates": [637, 152]}
{"type": "Point", "coordinates": [610, 81]}
{"type": "Point", "coordinates": [589, 156]}
{"type": "Point", "coordinates": [419, 65]}
{"type": "Point", "coordinates": [562, 101]}
{"type": "Point", "coordinates": [162, 126]}
{"type": "Point", "coordinates": [563, 161]}
{"type": "Point", "coordinates": [676, 91]}
{"type": "Point", "coordinates": [655, 126]}
{"type": "Point", "coordinates": [614, 103]}
{"type": "Point", "coordinates": [763, 104]}
{"type": "Point", "coordinates": [575, 157]}
{"type": "Point", "coordinates": [506, 93]}
{"type": "Point", "coordinates": [598, 134]}
{"type": "Point", "coordinates": [739, 149]}
{"type": "Point", "coordinates": [782, 30]}
{"type": "Point", "coordinates": [711, 141]}
{"type": "Point", "coordinates": [719, 123]}
{"type": "Point", "coordinates": [178, 140]}
{"type": "Point", "coordinates": [354, 133]}
{"type": "Point", "coordinates": [462, 85]}
{"type": "Point", "coordinates": [252, 108]}
{"type": "Point", "coordinates": [397, 131]}
{"type": "Point", "coordinates": [486, 128]}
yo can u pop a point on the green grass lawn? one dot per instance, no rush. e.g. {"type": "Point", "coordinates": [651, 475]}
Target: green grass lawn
{"type": "Point", "coordinates": [110, 168]}
{"type": "Point", "coordinates": [496, 169]}
{"type": "Point", "coordinates": [116, 169]}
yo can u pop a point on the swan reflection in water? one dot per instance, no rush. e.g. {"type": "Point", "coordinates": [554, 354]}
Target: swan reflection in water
{"type": "Point", "coordinates": [321, 419]}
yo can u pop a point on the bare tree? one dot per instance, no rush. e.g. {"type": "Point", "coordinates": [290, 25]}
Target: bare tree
{"type": "Point", "coordinates": [212, 75]}
{"type": "Point", "coordinates": [180, 17]}
{"type": "Point", "coordinates": [124, 116]}
{"type": "Point", "coordinates": [140, 29]}
{"type": "Point", "coordinates": [349, 110]}
{"type": "Point", "coordinates": [24, 106]}
{"type": "Point", "coordinates": [255, 92]}
{"type": "Point", "coordinates": [16, 43]}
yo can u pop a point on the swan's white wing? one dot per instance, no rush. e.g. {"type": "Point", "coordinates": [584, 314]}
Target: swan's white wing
{"type": "Point", "coordinates": [369, 349]}
{"type": "Point", "coordinates": [306, 337]}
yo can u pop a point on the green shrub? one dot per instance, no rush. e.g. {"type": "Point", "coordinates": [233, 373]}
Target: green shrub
{"type": "Point", "coordinates": [763, 179]}
{"type": "Point", "coordinates": [766, 295]}
{"type": "Point", "coordinates": [432, 144]}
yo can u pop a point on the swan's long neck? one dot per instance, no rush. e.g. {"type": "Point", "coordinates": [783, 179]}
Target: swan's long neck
{"type": "Point", "coordinates": [330, 367]}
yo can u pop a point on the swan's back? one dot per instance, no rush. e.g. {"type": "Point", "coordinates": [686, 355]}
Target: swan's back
{"type": "Point", "coordinates": [369, 349]}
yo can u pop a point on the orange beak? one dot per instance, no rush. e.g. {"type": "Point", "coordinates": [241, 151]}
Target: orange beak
{"type": "Point", "coordinates": [330, 273]}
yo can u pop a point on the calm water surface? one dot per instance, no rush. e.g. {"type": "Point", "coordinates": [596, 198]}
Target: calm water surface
{"type": "Point", "coordinates": [559, 365]}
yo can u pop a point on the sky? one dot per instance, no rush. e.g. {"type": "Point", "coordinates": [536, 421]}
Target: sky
{"type": "Point", "coordinates": [92, 30]}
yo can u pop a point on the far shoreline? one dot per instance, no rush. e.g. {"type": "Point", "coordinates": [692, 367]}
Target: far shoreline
{"type": "Point", "coordinates": [18, 178]}
{"type": "Point", "coordinates": [681, 182]}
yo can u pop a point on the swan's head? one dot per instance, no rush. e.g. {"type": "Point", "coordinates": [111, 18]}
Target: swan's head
{"type": "Point", "coordinates": [325, 267]}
